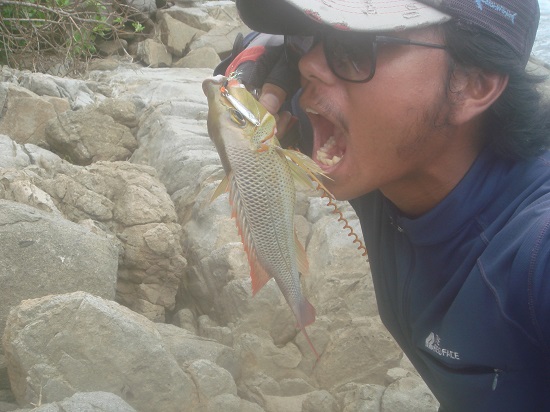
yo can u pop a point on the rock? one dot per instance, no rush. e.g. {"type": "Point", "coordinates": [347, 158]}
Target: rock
{"type": "Point", "coordinates": [87, 401]}
{"type": "Point", "coordinates": [176, 35]}
{"type": "Point", "coordinates": [129, 203]}
{"type": "Point", "coordinates": [154, 53]}
{"type": "Point", "coordinates": [354, 397]}
{"type": "Point", "coordinates": [187, 348]}
{"type": "Point", "coordinates": [211, 380]}
{"type": "Point", "coordinates": [122, 111]}
{"type": "Point", "coordinates": [79, 93]}
{"type": "Point", "coordinates": [110, 47]}
{"type": "Point", "coordinates": [185, 319]}
{"type": "Point", "coordinates": [208, 329]}
{"type": "Point", "coordinates": [14, 101]}
{"type": "Point", "coordinates": [284, 403]}
{"type": "Point", "coordinates": [260, 354]}
{"type": "Point", "coordinates": [360, 353]}
{"type": "Point", "coordinates": [201, 57]}
{"type": "Point", "coordinates": [407, 395]}
{"type": "Point", "coordinates": [231, 403]}
{"type": "Point", "coordinates": [79, 342]}
{"type": "Point", "coordinates": [43, 254]}
{"type": "Point", "coordinates": [221, 38]}
{"type": "Point", "coordinates": [146, 6]}
{"type": "Point", "coordinates": [86, 136]}
{"type": "Point", "coordinates": [320, 401]}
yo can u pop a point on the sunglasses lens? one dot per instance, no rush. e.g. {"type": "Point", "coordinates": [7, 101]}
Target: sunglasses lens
{"type": "Point", "coordinates": [297, 46]}
{"type": "Point", "coordinates": [350, 58]}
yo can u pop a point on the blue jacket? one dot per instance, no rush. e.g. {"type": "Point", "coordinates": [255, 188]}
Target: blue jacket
{"type": "Point", "coordinates": [465, 288]}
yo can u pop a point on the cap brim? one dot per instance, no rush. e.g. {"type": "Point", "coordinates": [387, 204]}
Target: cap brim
{"type": "Point", "coordinates": [303, 16]}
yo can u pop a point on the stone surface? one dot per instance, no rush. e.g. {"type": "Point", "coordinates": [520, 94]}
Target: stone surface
{"type": "Point", "coordinates": [60, 345]}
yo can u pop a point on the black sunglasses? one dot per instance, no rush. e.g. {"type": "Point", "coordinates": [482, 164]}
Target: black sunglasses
{"type": "Point", "coordinates": [350, 56]}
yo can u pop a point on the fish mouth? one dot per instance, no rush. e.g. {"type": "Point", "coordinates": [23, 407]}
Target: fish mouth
{"type": "Point", "coordinates": [329, 144]}
{"type": "Point", "coordinates": [212, 84]}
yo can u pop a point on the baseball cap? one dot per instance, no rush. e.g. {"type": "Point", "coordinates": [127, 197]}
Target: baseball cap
{"type": "Point", "coordinates": [513, 21]}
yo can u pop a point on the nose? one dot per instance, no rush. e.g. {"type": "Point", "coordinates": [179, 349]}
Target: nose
{"type": "Point", "coordinates": [313, 65]}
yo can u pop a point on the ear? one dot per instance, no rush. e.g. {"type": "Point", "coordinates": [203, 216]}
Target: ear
{"type": "Point", "coordinates": [474, 91]}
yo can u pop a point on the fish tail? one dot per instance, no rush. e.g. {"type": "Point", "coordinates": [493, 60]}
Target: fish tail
{"type": "Point", "coordinates": [306, 316]}
{"type": "Point", "coordinates": [306, 313]}
{"type": "Point", "coordinates": [310, 344]}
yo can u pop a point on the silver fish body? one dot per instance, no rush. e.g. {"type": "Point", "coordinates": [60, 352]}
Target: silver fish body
{"type": "Point", "coordinates": [262, 193]}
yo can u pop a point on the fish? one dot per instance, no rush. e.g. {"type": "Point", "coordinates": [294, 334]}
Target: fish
{"type": "Point", "coordinates": [261, 179]}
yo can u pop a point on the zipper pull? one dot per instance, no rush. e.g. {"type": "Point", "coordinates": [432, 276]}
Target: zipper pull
{"type": "Point", "coordinates": [495, 380]}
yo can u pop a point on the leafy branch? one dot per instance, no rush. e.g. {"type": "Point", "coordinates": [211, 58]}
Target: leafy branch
{"type": "Point", "coordinates": [37, 29]}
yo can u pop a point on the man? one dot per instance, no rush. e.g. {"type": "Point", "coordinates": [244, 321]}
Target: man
{"type": "Point", "coordinates": [424, 118]}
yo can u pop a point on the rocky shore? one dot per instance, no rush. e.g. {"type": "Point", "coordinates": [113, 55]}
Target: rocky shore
{"type": "Point", "coordinates": [125, 289]}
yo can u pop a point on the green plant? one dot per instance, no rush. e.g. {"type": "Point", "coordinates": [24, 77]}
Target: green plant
{"type": "Point", "coordinates": [36, 29]}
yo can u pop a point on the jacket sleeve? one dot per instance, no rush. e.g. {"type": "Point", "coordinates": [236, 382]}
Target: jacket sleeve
{"type": "Point", "coordinates": [539, 282]}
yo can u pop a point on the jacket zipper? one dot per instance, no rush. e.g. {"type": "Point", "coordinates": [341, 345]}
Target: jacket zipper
{"type": "Point", "coordinates": [495, 379]}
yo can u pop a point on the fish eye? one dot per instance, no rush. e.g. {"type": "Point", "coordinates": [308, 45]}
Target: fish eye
{"type": "Point", "coordinates": [237, 117]}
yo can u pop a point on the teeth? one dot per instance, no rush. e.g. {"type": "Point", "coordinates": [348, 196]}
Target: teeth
{"type": "Point", "coordinates": [322, 153]}
{"type": "Point", "coordinates": [309, 110]}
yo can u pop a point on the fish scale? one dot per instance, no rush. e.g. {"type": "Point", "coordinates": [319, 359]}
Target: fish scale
{"type": "Point", "coordinates": [269, 187]}
{"type": "Point", "coordinates": [260, 178]}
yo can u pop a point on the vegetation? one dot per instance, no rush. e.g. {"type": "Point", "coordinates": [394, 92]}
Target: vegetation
{"type": "Point", "coordinates": [32, 32]}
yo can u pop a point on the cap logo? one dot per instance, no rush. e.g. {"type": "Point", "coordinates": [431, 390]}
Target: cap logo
{"type": "Point", "coordinates": [411, 14]}
{"type": "Point", "coordinates": [369, 9]}
{"type": "Point", "coordinates": [498, 8]}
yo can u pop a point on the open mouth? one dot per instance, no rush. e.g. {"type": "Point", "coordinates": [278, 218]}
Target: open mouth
{"type": "Point", "coordinates": [329, 146]}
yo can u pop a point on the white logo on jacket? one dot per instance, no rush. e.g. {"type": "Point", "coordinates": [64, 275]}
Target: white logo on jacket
{"type": "Point", "coordinates": [433, 343]}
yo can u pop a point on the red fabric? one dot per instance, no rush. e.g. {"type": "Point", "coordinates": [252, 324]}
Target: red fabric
{"type": "Point", "coordinates": [250, 54]}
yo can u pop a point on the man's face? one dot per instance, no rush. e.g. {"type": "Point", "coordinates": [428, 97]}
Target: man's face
{"type": "Point", "coordinates": [385, 134]}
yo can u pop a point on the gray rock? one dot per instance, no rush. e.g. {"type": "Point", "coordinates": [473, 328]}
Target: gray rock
{"type": "Point", "coordinates": [201, 57]}
{"type": "Point", "coordinates": [211, 380]}
{"type": "Point", "coordinates": [231, 403]}
{"type": "Point", "coordinates": [362, 352]}
{"type": "Point", "coordinates": [15, 101]}
{"type": "Point", "coordinates": [86, 402]}
{"type": "Point", "coordinates": [177, 36]}
{"type": "Point", "coordinates": [43, 254]}
{"type": "Point", "coordinates": [187, 348]}
{"type": "Point", "coordinates": [320, 401]}
{"type": "Point", "coordinates": [124, 200]}
{"type": "Point", "coordinates": [408, 394]}
{"type": "Point", "coordinates": [154, 53]}
{"type": "Point", "coordinates": [354, 397]}
{"type": "Point", "coordinates": [196, 17]}
{"type": "Point", "coordinates": [86, 136]}
{"type": "Point", "coordinates": [79, 342]}
{"type": "Point", "coordinates": [146, 6]}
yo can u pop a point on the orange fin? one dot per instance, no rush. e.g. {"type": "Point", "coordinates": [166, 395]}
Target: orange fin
{"type": "Point", "coordinates": [258, 274]}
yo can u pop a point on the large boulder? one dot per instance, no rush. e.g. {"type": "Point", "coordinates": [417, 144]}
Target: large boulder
{"type": "Point", "coordinates": [59, 345]}
{"type": "Point", "coordinates": [115, 199]}
{"type": "Point", "coordinates": [15, 101]}
{"type": "Point", "coordinates": [44, 254]}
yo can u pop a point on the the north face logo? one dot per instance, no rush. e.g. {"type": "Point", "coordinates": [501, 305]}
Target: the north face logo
{"type": "Point", "coordinates": [433, 343]}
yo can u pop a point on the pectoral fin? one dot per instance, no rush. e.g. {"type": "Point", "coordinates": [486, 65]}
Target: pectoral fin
{"type": "Point", "coordinates": [301, 255]}
{"type": "Point", "coordinates": [304, 169]}
{"type": "Point", "coordinates": [221, 189]}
